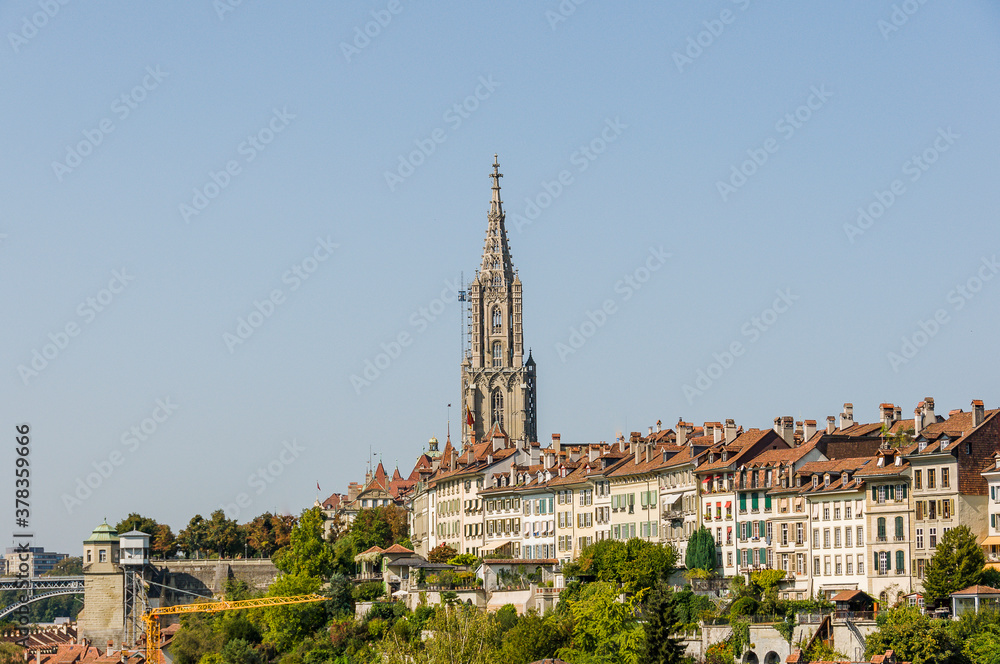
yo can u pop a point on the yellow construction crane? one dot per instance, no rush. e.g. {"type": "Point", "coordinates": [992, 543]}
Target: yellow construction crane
{"type": "Point", "coordinates": [151, 617]}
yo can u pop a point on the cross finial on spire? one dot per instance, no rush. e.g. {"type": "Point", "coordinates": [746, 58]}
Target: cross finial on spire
{"type": "Point", "coordinates": [496, 205]}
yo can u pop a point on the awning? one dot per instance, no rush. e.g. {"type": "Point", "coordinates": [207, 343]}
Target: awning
{"type": "Point", "coordinates": [493, 546]}
{"type": "Point", "coordinates": [671, 498]}
{"type": "Point", "coordinates": [992, 539]}
{"type": "Point", "coordinates": [729, 503]}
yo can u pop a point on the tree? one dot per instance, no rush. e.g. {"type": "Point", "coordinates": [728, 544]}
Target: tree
{"type": "Point", "coordinates": [135, 521]}
{"type": "Point", "coordinates": [604, 629]}
{"type": "Point", "coordinates": [222, 535]}
{"type": "Point", "coordinates": [284, 626]}
{"type": "Point", "coordinates": [635, 564]}
{"type": "Point", "coordinates": [11, 653]}
{"type": "Point", "coordinates": [913, 637]}
{"type": "Point", "coordinates": [661, 623]}
{"type": "Point", "coordinates": [163, 544]}
{"type": "Point", "coordinates": [267, 533]}
{"type": "Point", "coordinates": [701, 550]}
{"type": "Point", "coordinates": [460, 635]}
{"type": "Point", "coordinates": [532, 638]}
{"type": "Point", "coordinates": [442, 553]}
{"type": "Point", "coordinates": [239, 651]}
{"type": "Point", "coordinates": [72, 566]}
{"type": "Point", "coordinates": [957, 563]}
{"type": "Point", "coordinates": [466, 559]}
{"type": "Point", "coordinates": [192, 540]}
{"type": "Point", "coordinates": [307, 552]}
{"type": "Point", "coordinates": [371, 528]}
{"type": "Point", "coordinates": [195, 638]}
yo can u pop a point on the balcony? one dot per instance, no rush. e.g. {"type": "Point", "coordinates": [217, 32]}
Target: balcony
{"type": "Point", "coordinates": [673, 515]}
{"type": "Point", "coordinates": [898, 538]}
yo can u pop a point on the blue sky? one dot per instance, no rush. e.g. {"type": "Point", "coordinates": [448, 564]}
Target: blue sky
{"type": "Point", "coordinates": [772, 288]}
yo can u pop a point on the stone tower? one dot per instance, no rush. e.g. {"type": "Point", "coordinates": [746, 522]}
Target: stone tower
{"type": "Point", "coordinates": [498, 383]}
{"type": "Point", "coordinates": [103, 618]}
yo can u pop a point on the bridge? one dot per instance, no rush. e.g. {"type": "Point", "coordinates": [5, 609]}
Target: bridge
{"type": "Point", "coordinates": [39, 588]}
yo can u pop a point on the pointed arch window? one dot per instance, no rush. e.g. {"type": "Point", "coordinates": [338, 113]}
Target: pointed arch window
{"type": "Point", "coordinates": [497, 319]}
{"type": "Point", "coordinates": [497, 279]}
{"type": "Point", "coordinates": [497, 354]}
{"type": "Point", "coordinates": [498, 407]}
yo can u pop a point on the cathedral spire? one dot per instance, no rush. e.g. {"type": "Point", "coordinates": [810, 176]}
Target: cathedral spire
{"type": "Point", "coordinates": [497, 268]}
{"type": "Point", "coordinates": [496, 205]}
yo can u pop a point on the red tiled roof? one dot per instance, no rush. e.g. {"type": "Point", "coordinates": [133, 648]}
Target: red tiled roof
{"type": "Point", "coordinates": [977, 590]}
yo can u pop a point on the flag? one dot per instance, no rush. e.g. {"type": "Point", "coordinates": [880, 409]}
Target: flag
{"type": "Point", "coordinates": [469, 419]}
{"type": "Point", "coordinates": [317, 486]}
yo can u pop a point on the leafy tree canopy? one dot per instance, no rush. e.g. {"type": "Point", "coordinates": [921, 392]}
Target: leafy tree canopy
{"type": "Point", "coordinates": [700, 552]}
{"type": "Point", "coordinates": [442, 553]}
{"type": "Point", "coordinates": [307, 553]}
{"type": "Point", "coordinates": [957, 563]}
{"type": "Point", "coordinates": [635, 564]}
{"type": "Point", "coordinates": [72, 566]}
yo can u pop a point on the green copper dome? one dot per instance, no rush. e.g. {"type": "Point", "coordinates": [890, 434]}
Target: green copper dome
{"type": "Point", "coordinates": [102, 534]}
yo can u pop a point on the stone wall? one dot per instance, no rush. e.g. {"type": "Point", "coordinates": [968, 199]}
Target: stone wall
{"type": "Point", "coordinates": [209, 577]}
{"type": "Point", "coordinates": [102, 618]}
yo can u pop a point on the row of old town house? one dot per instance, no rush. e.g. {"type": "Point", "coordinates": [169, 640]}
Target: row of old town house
{"type": "Point", "coordinates": [850, 506]}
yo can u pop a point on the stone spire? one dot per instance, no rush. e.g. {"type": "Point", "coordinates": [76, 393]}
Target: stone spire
{"type": "Point", "coordinates": [497, 268]}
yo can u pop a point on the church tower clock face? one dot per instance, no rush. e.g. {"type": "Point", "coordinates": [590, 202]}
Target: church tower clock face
{"type": "Point", "coordinates": [498, 381]}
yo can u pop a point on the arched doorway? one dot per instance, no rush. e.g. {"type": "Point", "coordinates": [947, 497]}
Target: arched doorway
{"type": "Point", "coordinates": [772, 657]}
{"type": "Point", "coordinates": [750, 657]}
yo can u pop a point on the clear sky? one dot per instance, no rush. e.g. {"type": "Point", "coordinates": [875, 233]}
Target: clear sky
{"type": "Point", "coordinates": [170, 170]}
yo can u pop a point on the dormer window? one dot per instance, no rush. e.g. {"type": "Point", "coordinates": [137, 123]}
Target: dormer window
{"type": "Point", "coordinates": [724, 455]}
{"type": "Point", "coordinates": [844, 479]}
{"type": "Point", "coordinates": [815, 481]}
{"type": "Point", "coordinates": [798, 480]}
{"type": "Point", "coordinates": [826, 480]}
{"type": "Point", "coordinates": [899, 461]}
{"type": "Point", "coordinates": [922, 445]}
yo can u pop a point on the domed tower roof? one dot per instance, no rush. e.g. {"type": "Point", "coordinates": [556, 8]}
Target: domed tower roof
{"type": "Point", "coordinates": [102, 534]}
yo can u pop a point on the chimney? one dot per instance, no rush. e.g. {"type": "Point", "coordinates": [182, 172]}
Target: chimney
{"type": "Point", "coordinates": [658, 424]}
{"type": "Point", "coordinates": [929, 417]}
{"type": "Point", "coordinates": [557, 442]}
{"type": "Point", "coordinates": [709, 430]}
{"type": "Point", "coordinates": [650, 433]}
{"type": "Point", "coordinates": [897, 414]}
{"type": "Point", "coordinates": [635, 444]}
{"type": "Point", "coordinates": [593, 451]}
{"type": "Point", "coordinates": [888, 412]}
{"type": "Point", "coordinates": [808, 429]}
{"type": "Point", "coordinates": [785, 427]}
{"type": "Point", "coordinates": [978, 413]}
{"type": "Point", "coordinates": [684, 429]}
{"type": "Point", "coordinates": [831, 424]}
{"type": "Point", "coordinates": [729, 431]}
{"type": "Point", "coordinates": [847, 417]}
{"type": "Point", "coordinates": [717, 434]}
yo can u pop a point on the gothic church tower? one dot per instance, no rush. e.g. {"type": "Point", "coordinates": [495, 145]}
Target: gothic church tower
{"type": "Point", "coordinates": [498, 384]}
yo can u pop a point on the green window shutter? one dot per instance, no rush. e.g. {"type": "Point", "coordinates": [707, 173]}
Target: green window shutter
{"type": "Point", "coordinates": [763, 557]}
{"type": "Point", "coordinates": [743, 502]}
{"type": "Point", "coordinates": [875, 566]}
{"type": "Point", "coordinates": [881, 527]}
{"type": "Point", "coordinates": [899, 561]}
{"type": "Point", "coordinates": [753, 500]}
{"type": "Point", "coordinates": [874, 494]}
{"type": "Point", "coordinates": [899, 527]}
{"type": "Point", "coordinates": [762, 530]}
{"type": "Point", "coordinates": [767, 501]}
{"type": "Point", "coordinates": [902, 487]}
